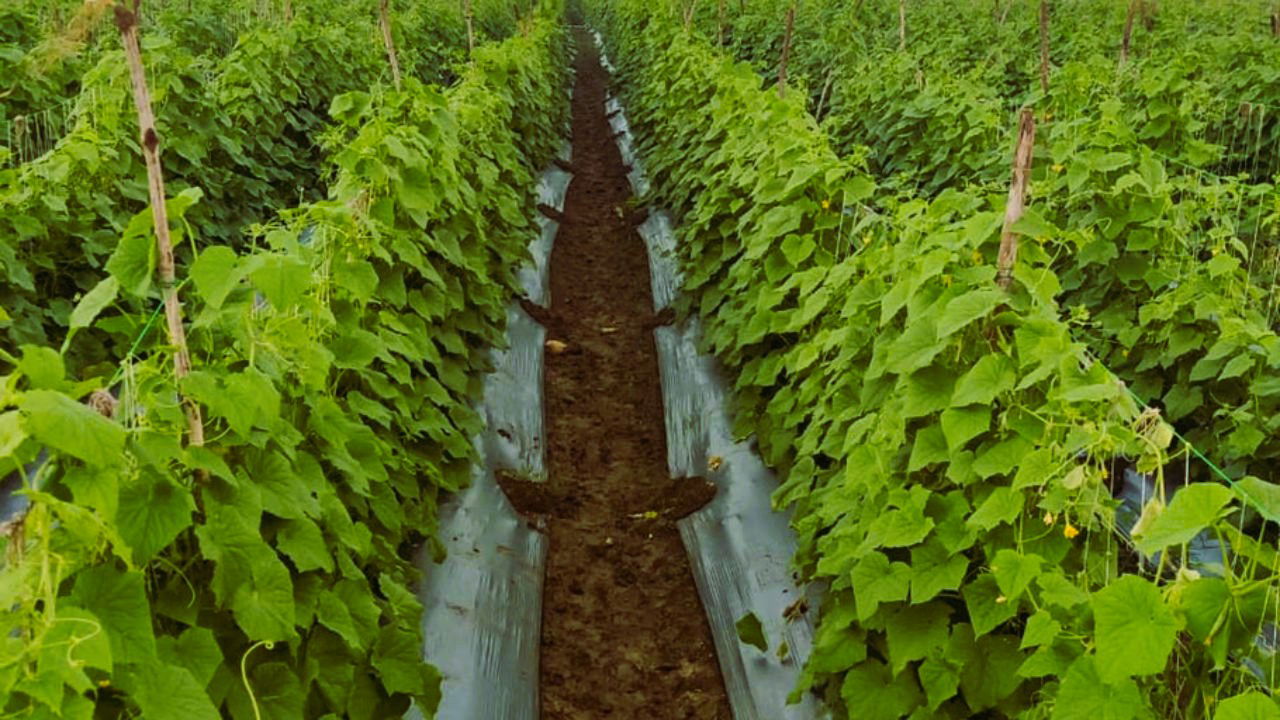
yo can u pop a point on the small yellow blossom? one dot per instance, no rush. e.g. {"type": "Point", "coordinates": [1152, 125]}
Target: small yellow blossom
{"type": "Point", "coordinates": [104, 683]}
{"type": "Point", "coordinates": [826, 204]}
{"type": "Point", "coordinates": [1049, 519]}
{"type": "Point", "coordinates": [1070, 531]}
{"type": "Point", "coordinates": [1001, 600]}
{"type": "Point", "coordinates": [1058, 168]}
{"type": "Point", "coordinates": [866, 239]}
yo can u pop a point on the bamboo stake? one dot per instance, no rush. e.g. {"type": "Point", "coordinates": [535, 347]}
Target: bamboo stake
{"type": "Point", "coordinates": [471, 33]}
{"type": "Point", "coordinates": [1017, 197]}
{"type": "Point", "coordinates": [384, 19]}
{"type": "Point", "coordinates": [1044, 46]}
{"type": "Point", "coordinates": [1128, 31]}
{"type": "Point", "coordinates": [720, 24]}
{"type": "Point", "coordinates": [902, 24]}
{"type": "Point", "coordinates": [127, 22]}
{"type": "Point", "coordinates": [786, 51]}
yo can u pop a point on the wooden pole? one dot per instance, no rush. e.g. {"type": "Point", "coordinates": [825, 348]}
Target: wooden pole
{"type": "Point", "coordinates": [1017, 197]}
{"type": "Point", "coordinates": [786, 50]}
{"type": "Point", "coordinates": [127, 22]}
{"type": "Point", "coordinates": [1044, 46]}
{"type": "Point", "coordinates": [720, 23]}
{"type": "Point", "coordinates": [384, 19]}
{"type": "Point", "coordinates": [1275, 20]}
{"type": "Point", "coordinates": [471, 32]}
{"type": "Point", "coordinates": [288, 11]}
{"type": "Point", "coordinates": [902, 24]}
{"type": "Point", "coordinates": [1128, 30]}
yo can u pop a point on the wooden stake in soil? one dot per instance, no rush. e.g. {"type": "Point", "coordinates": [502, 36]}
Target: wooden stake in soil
{"type": "Point", "coordinates": [1275, 21]}
{"type": "Point", "coordinates": [1017, 197]}
{"type": "Point", "coordinates": [288, 11]}
{"type": "Point", "coordinates": [1044, 46]}
{"type": "Point", "coordinates": [720, 24]}
{"type": "Point", "coordinates": [127, 22]}
{"type": "Point", "coordinates": [902, 24]}
{"type": "Point", "coordinates": [384, 19]}
{"type": "Point", "coordinates": [471, 33]}
{"type": "Point", "coordinates": [1128, 30]}
{"type": "Point", "coordinates": [786, 50]}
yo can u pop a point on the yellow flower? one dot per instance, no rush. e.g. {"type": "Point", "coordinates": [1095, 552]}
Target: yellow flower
{"type": "Point", "coordinates": [1049, 518]}
{"type": "Point", "coordinates": [866, 239]}
{"type": "Point", "coordinates": [1057, 168]}
{"type": "Point", "coordinates": [1001, 600]}
{"type": "Point", "coordinates": [1070, 531]}
{"type": "Point", "coordinates": [826, 204]}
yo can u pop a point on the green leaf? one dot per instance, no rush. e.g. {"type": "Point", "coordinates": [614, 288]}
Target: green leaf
{"type": "Point", "coordinates": [988, 666]}
{"type": "Point", "coordinates": [169, 692]}
{"type": "Point", "coordinates": [1001, 506]}
{"type": "Point", "coordinates": [876, 581]}
{"type": "Point", "coordinates": [133, 263]}
{"type": "Point", "coordinates": [151, 513]}
{"type": "Point", "coordinates": [960, 425]}
{"type": "Point", "coordinates": [196, 650]}
{"type": "Point", "coordinates": [1194, 508]}
{"type": "Point", "coordinates": [871, 692]}
{"type": "Point", "coordinates": [64, 424]}
{"type": "Point", "coordinates": [303, 542]}
{"type": "Point", "coordinates": [215, 273]}
{"type": "Point", "coordinates": [119, 600]}
{"type": "Point", "coordinates": [11, 432]}
{"type": "Point", "coordinates": [751, 632]}
{"type": "Point", "coordinates": [1252, 705]}
{"type": "Point", "coordinates": [987, 608]}
{"type": "Point", "coordinates": [1085, 696]}
{"type": "Point", "coordinates": [93, 302]}
{"type": "Point", "coordinates": [1003, 457]}
{"type": "Point", "coordinates": [933, 570]}
{"type": "Point", "coordinates": [1015, 571]}
{"type": "Point", "coordinates": [43, 367]}
{"type": "Point", "coordinates": [992, 375]}
{"type": "Point", "coordinates": [283, 279]}
{"type": "Point", "coordinates": [914, 630]}
{"type": "Point", "coordinates": [966, 308]}
{"type": "Point", "coordinates": [397, 656]}
{"type": "Point", "coordinates": [1134, 630]}
{"type": "Point", "coordinates": [915, 348]}
{"type": "Point", "coordinates": [278, 692]}
{"type": "Point", "coordinates": [940, 679]}
{"type": "Point", "coordinates": [1041, 629]}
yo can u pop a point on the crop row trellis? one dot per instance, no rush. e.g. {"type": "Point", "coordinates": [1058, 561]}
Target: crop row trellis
{"type": "Point", "coordinates": [334, 350]}
{"type": "Point", "coordinates": [957, 488]}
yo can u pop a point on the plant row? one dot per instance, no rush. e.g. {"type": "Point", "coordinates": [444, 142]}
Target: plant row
{"type": "Point", "coordinates": [336, 358]}
{"type": "Point", "coordinates": [951, 450]}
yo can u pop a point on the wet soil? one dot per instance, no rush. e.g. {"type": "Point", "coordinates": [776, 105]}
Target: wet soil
{"type": "Point", "coordinates": [624, 634]}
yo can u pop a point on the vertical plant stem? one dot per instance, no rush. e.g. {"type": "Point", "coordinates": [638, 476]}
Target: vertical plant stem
{"type": "Point", "coordinates": [384, 19]}
{"type": "Point", "coordinates": [127, 22]}
{"type": "Point", "coordinates": [786, 50]}
{"type": "Point", "coordinates": [1017, 197]}
{"type": "Point", "coordinates": [1044, 46]}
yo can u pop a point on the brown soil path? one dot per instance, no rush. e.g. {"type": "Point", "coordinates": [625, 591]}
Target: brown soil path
{"type": "Point", "coordinates": [623, 632]}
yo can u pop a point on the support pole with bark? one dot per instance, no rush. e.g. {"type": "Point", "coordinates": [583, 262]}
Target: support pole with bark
{"type": "Point", "coordinates": [384, 19]}
{"type": "Point", "coordinates": [786, 50]}
{"type": "Point", "coordinates": [902, 24]}
{"type": "Point", "coordinates": [127, 22]}
{"type": "Point", "coordinates": [1134, 5]}
{"type": "Point", "coordinates": [471, 30]}
{"type": "Point", "coordinates": [1044, 46]}
{"type": "Point", "coordinates": [1017, 197]}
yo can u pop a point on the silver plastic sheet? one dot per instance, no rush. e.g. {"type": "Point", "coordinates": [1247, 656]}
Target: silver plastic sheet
{"type": "Point", "coordinates": [739, 548]}
{"type": "Point", "coordinates": [483, 604]}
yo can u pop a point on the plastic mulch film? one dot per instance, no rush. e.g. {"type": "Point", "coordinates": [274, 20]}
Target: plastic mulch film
{"type": "Point", "coordinates": [482, 623]}
{"type": "Point", "coordinates": [535, 278]}
{"type": "Point", "coordinates": [739, 548]}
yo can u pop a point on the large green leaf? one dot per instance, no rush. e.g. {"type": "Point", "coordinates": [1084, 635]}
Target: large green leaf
{"type": "Point", "coordinates": [152, 511]}
{"type": "Point", "coordinates": [992, 375]}
{"type": "Point", "coordinates": [1252, 705]}
{"type": "Point", "coordinates": [1133, 628]}
{"type": "Point", "coordinates": [914, 630]}
{"type": "Point", "coordinates": [169, 692]}
{"type": "Point", "coordinates": [64, 424]}
{"type": "Point", "coordinates": [215, 273]}
{"type": "Point", "coordinates": [1085, 696]}
{"type": "Point", "coordinates": [119, 600]}
{"type": "Point", "coordinates": [1194, 508]}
